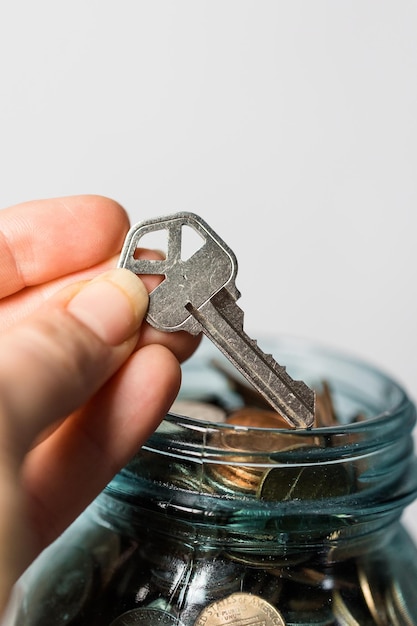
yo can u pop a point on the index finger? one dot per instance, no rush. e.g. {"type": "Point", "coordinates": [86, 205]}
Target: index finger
{"type": "Point", "coordinates": [45, 239]}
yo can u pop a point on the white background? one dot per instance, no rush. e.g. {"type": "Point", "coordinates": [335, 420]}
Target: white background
{"type": "Point", "coordinates": [289, 126]}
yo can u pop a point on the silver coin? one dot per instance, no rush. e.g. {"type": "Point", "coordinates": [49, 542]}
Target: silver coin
{"type": "Point", "coordinates": [266, 561]}
{"type": "Point", "coordinates": [399, 599]}
{"type": "Point", "coordinates": [325, 618]}
{"type": "Point", "coordinates": [203, 411]}
{"type": "Point", "coordinates": [146, 617]}
{"type": "Point", "coordinates": [62, 590]}
{"type": "Point", "coordinates": [307, 606]}
{"type": "Point", "coordinates": [350, 611]}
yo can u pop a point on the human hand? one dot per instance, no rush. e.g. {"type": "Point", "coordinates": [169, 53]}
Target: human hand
{"type": "Point", "coordinates": [83, 382]}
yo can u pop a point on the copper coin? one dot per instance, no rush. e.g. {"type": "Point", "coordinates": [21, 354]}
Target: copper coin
{"type": "Point", "coordinates": [237, 477]}
{"type": "Point", "coordinates": [263, 437]}
{"type": "Point", "coordinates": [257, 418]}
{"type": "Point", "coordinates": [240, 609]}
{"type": "Point", "coordinates": [238, 384]}
{"type": "Point", "coordinates": [325, 411]}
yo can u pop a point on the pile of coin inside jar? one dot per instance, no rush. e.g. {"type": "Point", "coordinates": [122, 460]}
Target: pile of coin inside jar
{"type": "Point", "coordinates": [248, 589]}
{"type": "Point", "coordinates": [176, 587]}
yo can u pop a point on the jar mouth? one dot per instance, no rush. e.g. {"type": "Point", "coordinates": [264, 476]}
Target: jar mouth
{"type": "Point", "coordinates": [387, 416]}
{"type": "Point", "coordinates": [359, 386]}
{"type": "Point", "coordinates": [277, 489]}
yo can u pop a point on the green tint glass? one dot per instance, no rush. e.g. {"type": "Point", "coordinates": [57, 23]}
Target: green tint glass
{"type": "Point", "coordinates": [213, 524]}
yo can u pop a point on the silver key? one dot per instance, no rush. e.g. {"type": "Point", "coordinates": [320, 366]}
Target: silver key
{"type": "Point", "coordinates": [199, 294]}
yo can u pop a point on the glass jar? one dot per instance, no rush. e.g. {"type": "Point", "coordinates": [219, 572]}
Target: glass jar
{"type": "Point", "coordinates": [214, 523]}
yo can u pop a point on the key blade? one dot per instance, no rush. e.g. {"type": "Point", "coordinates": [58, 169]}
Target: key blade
{"type": "Point", "coordinates": [222, 321]}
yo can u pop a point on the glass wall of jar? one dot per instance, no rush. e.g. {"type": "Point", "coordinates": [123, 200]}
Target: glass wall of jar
{"type": "Point", "coordinates": [216, 522]}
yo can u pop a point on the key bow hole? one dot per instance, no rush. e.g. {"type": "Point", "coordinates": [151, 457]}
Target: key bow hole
{"type": "Point", "coordinates": [191, 242]}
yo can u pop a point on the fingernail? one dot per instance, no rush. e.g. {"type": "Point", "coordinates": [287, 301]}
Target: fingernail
{"type": "Point", "coordinates": [112, 305]}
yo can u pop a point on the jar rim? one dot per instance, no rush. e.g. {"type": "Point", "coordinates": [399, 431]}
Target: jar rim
{"type": "Point", "coordinates": [361, 473]}
{"type": "Point", "coordinates": [391, 413]}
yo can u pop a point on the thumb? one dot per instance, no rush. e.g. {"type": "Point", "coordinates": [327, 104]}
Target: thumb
{"type": "Point", "coordinates": [55, 360]}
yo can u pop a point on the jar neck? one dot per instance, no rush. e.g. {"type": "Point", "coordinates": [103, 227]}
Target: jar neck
{"type": "Point", "coordinates": [335, 491]}
{"type": "Point", "coordinates": [332, 491]}
{"type": "Point", "coordinates": [252, 532]}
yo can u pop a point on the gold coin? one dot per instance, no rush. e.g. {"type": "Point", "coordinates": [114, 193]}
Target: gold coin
{"type": "Point", "coordinates": [308, 482]}
{"type": "Point", "coordinates": [240, 609]}
{"type": "Point", "coordinates": [373, 591]}
{"type": "Point", "coordinates": [349, 611]}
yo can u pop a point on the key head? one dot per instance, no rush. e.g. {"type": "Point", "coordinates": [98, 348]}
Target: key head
{"type": "Point", "coordinates": [194, 280]}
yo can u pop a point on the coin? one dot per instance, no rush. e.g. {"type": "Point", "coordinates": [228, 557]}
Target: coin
{"type": "Point", "coordinates": [63, 590]}
{"type": "Point", "coordinates": [146, 617]}
{"type": "Point", "coordinates": [240, 609]}
{"type": "Point", "coordinates": [300, 600]}
{"type": "Point", "coordinates": [209, 578]}
{"type": "Point", "coordinates": [186, 476]}
{"type": "Point", "coordinates": [256, 418]}
{"type": "Point", "coordinates": [400, 600]}
{"type": "Point", "coordinates": [322, 617]}
{"type": "Point", "coordinates": [258, 581]}
{"type": "Point", "coordinates": [306, 482]}
{"type": "Point", "coordinates": [203, 411]}
{"type": "Point", "coordinates": [304, 575]}
{"type": "Point", "coordinates": [359, 417]}
{"type": "Point", "coordinates": [248, 394]}
{"type": "Point", "coordinates": [272, 562]}
{"type": "Point", "coordinates": [259, 430]}
{"type": "Point", "coordinates": [372, 588]}
{"type": "Point", "coordinates": [349, 611]}
{"type": "Point", "coordinates": [392, 612]}
{"type": "Point", "coordinates": [236, 478]}
{"type": "Point", "coordinates": [325, 411]}
{"type": "Point", "coordinates": [104, 546]}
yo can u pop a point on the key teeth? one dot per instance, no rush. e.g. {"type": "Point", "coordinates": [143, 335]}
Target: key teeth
{"type": "Point", "coordinates": [280, 369]}
{"type": "Point", "coordinates": [304, 393]}
{"type": "Point", "coordinates": [269, 358]}
{"type": "Point", "coordinates": [274, 364]}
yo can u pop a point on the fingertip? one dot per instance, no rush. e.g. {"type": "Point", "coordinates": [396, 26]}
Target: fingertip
{"type": "Point", "coordinates": [106, 219]}
{"type": "Point", "coordinates": [146, 386]}
{"type": "Point", "coordinates": [112, 305]}
{"type": "Point", "coordinates": [180, 343]}
{"type": "Point", "coordinates": [96, 204]}
{"type": "Point", "coordinates": [44, 240]}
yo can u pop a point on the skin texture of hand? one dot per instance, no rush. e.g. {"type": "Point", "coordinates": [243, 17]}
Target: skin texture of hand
{"type": "Point", "coordinates": [83, 380]}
